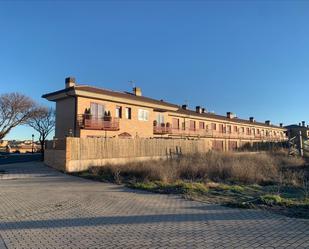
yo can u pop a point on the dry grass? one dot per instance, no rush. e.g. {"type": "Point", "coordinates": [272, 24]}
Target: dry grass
{"type": "Point", "coordinates": [244, 168]}
{"type": "Point", "coordinates": [270, 180]}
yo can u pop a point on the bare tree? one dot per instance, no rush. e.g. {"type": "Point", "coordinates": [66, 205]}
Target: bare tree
{"type": "Point", "coordinates": [43, 121]}
{"type": "Point", "coordinates": [15, 109]}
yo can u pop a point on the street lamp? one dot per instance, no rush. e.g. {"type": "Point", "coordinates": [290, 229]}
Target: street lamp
{"type": "Point", "coordinates": [32, 143]}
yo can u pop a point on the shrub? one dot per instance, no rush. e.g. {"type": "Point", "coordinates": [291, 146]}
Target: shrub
{"type": "Point", "coordinates": [243, 168]}
{"type": "Point", "coordinates": [271, 199]}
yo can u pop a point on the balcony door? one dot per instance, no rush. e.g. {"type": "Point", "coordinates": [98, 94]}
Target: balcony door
{"type": "Point", "coordinates": [160, 119]}
{"type": "Point", "coordinates": [192, 125]}
{"type": "Point", "coordinates": [175, 123]}
{"type": "Point", "coordinates": [97, 110]}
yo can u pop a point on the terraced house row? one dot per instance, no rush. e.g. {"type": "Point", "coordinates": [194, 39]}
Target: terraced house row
{"type": "Point", "coordinates": [85, 111]}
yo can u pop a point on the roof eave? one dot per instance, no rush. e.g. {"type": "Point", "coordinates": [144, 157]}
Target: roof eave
{"type": "Point", "coordinates": [141, 102]}
{"type": "Point", "coordinates": [54, 96]}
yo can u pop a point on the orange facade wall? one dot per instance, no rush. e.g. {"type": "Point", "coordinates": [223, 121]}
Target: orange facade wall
{"type": "Point", "coordinates": [133, 126]}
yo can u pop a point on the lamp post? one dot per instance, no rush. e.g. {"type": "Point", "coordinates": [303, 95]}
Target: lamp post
{"type": "Point", "coordinates": [32, 143]}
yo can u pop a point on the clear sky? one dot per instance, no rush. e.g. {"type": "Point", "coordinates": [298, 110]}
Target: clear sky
{"type": "Point", "coordinates": [248, 57]}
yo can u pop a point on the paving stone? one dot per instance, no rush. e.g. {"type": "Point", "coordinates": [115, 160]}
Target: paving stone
{"type": "Point", "coordinates": [43, 208]}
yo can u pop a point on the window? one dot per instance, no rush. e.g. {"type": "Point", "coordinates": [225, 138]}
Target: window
{"type": "Point", "coordinates": [202, 125]}
{"type": "Point", "coordinates": [118, 113]}
{"type": "Point", "coordinates": [221, 128]}
{"type": "Point", "coordinates": [228, 129]}
{"type": "Point", "coordinates": [192, 124]}
{"type": "Point", "coordinates": [183, 125]}
{"type": "Point", "coordinates": [160, 118]}
{"type": "Point", "coordinates": [175, 123]}
{"type": "Point", "coordinates": [213, 126]}
{"type": "Point", "coordinates": [97, 110]}
{"type": "Point", "coordinates": [235, 129]}
{"type": "Point", "coordinates": [242, 129]}
{"type": "Point", "coordinates": [247, 131]}
{"type": "Point", "coordinates": [258, 131]}
{"type": "Point", "coordinates": [128, 112]}
{"type": "Point", "coordinates": [143, 115]}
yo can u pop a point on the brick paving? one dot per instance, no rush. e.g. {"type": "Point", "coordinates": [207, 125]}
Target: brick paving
{"type": "Point", "coordinates": [43, 208]}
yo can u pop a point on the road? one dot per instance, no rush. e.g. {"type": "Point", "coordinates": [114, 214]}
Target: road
{"type": "Point", "coordinates": [19, 158]}
{"type": "Point", "coordinates": [43, 208]}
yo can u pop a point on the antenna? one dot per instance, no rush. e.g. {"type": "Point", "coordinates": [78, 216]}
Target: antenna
{"type": "Point", "coordinates": [132, 82]}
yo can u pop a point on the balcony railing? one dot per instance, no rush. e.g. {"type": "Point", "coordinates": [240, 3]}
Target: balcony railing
{"type": "Point", "coordinates": [163, 130]}
{"type": "Point", "coordinates": [88, 121]}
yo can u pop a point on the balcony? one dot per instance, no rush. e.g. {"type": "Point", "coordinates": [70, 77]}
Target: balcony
{"type": "Point", "coordinates": [163, 130]}
{"type": "Point", "coordinates": [194, 132]}
{"type": "Point", "coordinates": [90, 122]}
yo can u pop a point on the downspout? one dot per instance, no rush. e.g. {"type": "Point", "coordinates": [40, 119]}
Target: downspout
{"type": "Point", "coordinates": [75, 113]}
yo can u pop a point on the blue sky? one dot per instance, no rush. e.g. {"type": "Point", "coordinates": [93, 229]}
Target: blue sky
{"type": "Point", "coordinates": [248, 57]}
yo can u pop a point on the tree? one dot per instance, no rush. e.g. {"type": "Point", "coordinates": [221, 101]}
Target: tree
{"type": "Point", "coordinates": [15, 109]}
{"type": "Point", "coordinates": [43, 121]}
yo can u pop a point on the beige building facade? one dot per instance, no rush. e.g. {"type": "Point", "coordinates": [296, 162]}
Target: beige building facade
{"type": "Point", "coordinates": [85, 111]}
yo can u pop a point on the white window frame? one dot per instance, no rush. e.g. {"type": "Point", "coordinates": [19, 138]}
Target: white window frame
{"type": "Point", "coordinates": [160, 118]}
{"type": "Point", "coordinates": [97, 110]}
{"type": "Point", "coordinates": [143, 115]}
{"type": "Point", "coordinates": [118, 112]}
{"type": "Point", "coordinates": [127, 111]}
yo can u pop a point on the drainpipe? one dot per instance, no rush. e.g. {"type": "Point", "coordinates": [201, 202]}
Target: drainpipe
{"type": "Point", "coordinates": [75, 112]}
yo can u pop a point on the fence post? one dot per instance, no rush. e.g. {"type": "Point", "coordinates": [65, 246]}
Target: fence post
{"type": "Point", "coordinates": [301, 149]}
{"type": "Point", "coordinates": [289, 142]}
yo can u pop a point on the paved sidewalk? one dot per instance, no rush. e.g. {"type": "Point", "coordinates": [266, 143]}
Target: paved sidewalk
{"type": "Point", "coordinates": [42, 208]}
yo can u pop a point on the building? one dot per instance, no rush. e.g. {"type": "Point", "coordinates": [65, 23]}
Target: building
{"type": "Point", "coordinates": [86, 111]}
{"type": "Point", "coordinates": [295, 130]}
{"type": "Point", "coordinates": [3, 143]}
{"type": "Point", "coordinates": [15, 146]}
{"type": "Point", "coordinates": [25, 146]}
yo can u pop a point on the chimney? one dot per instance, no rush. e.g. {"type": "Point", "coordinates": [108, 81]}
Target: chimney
{"type": "Point", "coordinates": [198, 109]}
{"type": "Point", "coordinates": [204, 110]}
{"type": "Point", "coordinates": [268, 122]}
{"type": "Point", "coordinates": [303, 123]}
{"type": "Point", "coordinates": [69, 82]}
{"type": "Point", "coordinates": [252, 119]}
{"type": "Point", "coordinates": [184, 107]}
{"type": "Point", "coordinates": [230, 115]}
{"type": "Point", "coordinates": [281, 124]}
{"type": "Point", "coordinates": [137, 91]}
{"type": "Point", "coordinates": [299, 124]}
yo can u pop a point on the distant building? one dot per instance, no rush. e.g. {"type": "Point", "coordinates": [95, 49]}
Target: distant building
{"type": "Point", "coordinates": [3, 143]}
{"type": "Point", "coordinates": [15, 146]}
{"type": "Point", "coordinates": [86, 111]}
{"type": "Point", "coordinates": [295, 129]}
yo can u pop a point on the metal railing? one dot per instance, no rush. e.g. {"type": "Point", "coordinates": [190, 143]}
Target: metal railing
{"type": "Point", "coordinates": [163, 130]}
{"type": "Point", "coordinates": [88, 121]}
